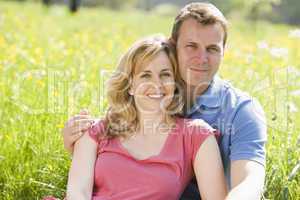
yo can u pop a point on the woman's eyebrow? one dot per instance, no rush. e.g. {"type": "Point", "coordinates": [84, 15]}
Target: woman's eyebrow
{"type": "Point", "coordinates": [146, 71]}
{"type": "Point", "coordinates": [164, 70]}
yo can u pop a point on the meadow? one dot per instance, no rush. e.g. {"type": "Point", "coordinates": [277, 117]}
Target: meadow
{"type": "Point", "coordinates": [53, 63]}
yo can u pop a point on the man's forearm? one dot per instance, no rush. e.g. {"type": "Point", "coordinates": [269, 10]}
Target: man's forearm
{"type": "Point", "coordinates": [248, 189]}
{"type": "Point", "coordinates": [247, 180]}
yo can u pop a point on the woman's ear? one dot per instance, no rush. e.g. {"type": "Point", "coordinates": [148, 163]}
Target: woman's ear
{"type": "Point", "coordinates": [130, 91]}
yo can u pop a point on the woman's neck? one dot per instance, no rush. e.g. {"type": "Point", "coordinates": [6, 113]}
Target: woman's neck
{"type": "Point", "coordinates": [151, 124]}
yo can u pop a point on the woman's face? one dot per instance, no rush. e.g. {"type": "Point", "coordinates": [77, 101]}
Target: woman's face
{"type": "Point", "coordinates": [153, 85]}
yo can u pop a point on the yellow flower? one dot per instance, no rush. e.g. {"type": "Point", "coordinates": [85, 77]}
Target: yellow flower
{"type": "Point", "coordinates": [55, 93]}
{"type": "Point", "coordinates": [38, 52]}
{"type": "Point", "coordinates": [2, 41]}
{"type": "Point", "coordinates": [61, 125]}
{"type": "Point", "coordinates": [29, 76]}
{"type": "Point", "coordinates": [40, 83]}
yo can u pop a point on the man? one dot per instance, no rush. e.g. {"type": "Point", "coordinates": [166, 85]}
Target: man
{"type": "Point", "coordinates": [199, 34]}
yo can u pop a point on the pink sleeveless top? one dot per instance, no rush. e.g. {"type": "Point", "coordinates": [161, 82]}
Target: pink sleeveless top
{"type": "Point", "coordinates": [119, 176]}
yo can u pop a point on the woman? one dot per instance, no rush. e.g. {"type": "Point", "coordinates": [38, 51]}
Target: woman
{"type": "Point", "coordinates": [142, 149]}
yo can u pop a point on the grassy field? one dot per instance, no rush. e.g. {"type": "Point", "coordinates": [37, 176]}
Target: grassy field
{"type": "Point", "coordinates": [53, 63]}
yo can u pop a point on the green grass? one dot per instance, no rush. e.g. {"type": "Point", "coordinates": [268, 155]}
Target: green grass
{"type": "Point", "coordinates": [50, 64]}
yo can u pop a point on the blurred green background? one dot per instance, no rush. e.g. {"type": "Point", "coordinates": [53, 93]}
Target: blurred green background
{"type": "Point", "coordinates": [54, 62]}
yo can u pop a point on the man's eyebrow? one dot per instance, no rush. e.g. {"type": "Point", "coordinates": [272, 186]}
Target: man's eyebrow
{"type": "Point", "coordinates": [191, 42]}
{"type": "Point", "coordinates": [214, 45]}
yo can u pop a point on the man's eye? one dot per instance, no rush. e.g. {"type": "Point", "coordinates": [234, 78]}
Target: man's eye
{"type": "Point", "coordinates": [213, 50]}
{"type": "Point", "coordinates": [191, 46]}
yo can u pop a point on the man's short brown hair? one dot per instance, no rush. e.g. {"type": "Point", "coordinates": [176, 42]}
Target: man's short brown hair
{"type": "Point", "coordinates": [204, 13]}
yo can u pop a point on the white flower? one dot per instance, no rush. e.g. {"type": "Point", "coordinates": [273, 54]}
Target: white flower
{"type": "Point", "coordinates": [293, 70]}
{"type": "Point", "coordinates": [294, 33]}
{"type": "Point", "coordinates": [279, 52]}
{"type": "Point", "coordinates": [262, 45]}
{"type": "Point", "coordinates": [295, 93]}
{"type": "Point", "coordinates": [292, 107]}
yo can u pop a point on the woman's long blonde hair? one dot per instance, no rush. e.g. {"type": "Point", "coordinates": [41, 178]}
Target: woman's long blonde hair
{"type": "Point", "coordinates": [121, 118]}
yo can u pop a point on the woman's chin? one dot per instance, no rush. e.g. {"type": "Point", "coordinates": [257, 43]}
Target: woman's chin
{"type": "Point", "coordinates": [153, 111]}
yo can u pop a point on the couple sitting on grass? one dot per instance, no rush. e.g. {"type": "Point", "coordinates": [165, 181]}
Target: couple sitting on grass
{"type": "Point", "coordinates": [174, 129]}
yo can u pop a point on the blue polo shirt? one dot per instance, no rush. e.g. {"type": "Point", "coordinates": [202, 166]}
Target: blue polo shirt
{"type": "Point", "coordinates": [239, 118]}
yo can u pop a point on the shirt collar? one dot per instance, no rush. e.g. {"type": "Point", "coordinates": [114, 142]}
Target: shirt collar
{"type": "Point", "coordinates": [211, 98]}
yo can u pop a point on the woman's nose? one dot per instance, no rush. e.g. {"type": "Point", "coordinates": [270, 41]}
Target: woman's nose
{"type": "Point", "coordinates": [158, 82]}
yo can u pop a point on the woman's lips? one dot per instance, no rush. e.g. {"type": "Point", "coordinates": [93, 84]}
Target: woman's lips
{"type": "Point", "coordinates": [155, 96]}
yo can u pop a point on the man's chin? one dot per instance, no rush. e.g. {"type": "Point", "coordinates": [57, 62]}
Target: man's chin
{"type": "Point", "coordinates": [198, 83]}
{"type": "Point", "coordinates": [195, 79]}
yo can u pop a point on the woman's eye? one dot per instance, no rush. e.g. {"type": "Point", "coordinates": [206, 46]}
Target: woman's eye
{"type": "Point", "coordinates": [145, 75]}
{"type": "Point", "coordinates": [166, 74]}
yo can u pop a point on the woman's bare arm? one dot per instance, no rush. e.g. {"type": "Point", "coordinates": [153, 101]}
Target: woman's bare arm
{"type": "Point", "coordinates": [81, 174]}
{"type": "Point", "coordinates": [209, 171]}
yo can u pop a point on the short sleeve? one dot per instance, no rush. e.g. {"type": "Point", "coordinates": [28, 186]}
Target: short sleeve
{"type": "Point", "coordinates": [198, 135]}
{"type": "Point", "coordinates": [249, 133]}
{"type": "Point", "coordinates": [96, 130]}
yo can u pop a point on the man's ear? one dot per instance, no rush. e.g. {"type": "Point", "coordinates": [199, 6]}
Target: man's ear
{"type": "Point", "coordinates": [224, 49]}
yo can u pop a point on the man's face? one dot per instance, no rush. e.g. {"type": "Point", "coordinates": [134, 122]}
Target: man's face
{"type": "Point", "coordinates": [200, 51]}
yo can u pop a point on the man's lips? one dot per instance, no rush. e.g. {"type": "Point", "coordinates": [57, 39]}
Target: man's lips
{"type": "Point", "coordinates": [198, 69]}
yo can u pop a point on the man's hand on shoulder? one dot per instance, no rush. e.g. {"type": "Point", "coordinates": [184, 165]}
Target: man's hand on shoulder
{"type": "Point", "coordinates": [74, 128]}
{"type": "Point", "coordinates": [201, 124]}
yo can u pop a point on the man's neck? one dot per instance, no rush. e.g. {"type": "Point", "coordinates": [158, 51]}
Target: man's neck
{"type": "Point", "coordinates": [192, 92]}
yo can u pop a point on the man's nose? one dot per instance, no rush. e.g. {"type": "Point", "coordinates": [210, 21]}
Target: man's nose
{"type": "Point", "coordinates": [202, 56]}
